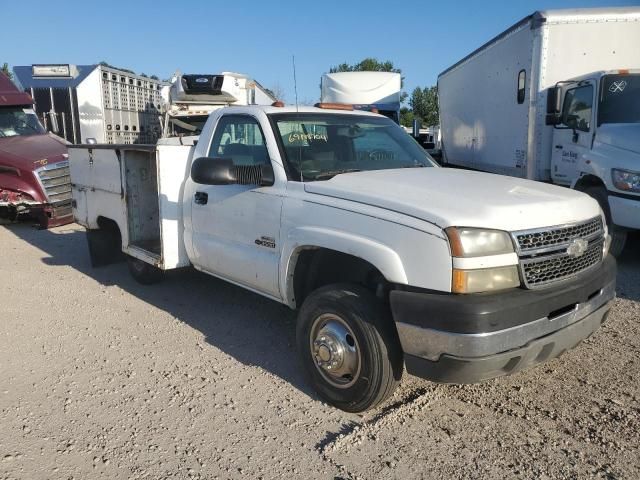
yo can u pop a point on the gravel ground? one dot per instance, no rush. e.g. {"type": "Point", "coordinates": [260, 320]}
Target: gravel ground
{"type": "Point", "coordinates": [196, 378]}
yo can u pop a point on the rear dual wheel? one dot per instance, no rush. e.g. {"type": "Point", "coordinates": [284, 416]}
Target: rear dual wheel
{"type": "Point", "coordinates": [143, 272]}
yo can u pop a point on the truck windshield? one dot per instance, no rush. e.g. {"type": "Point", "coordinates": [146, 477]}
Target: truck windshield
{"type": "Point", "coordinates": [186, 125]}
{"type": "Point", "coordinates": [320, 146]}
{"type": "Point", "coordinates": [16, 121]}
{"type": "Point", "coordinates": [619, 99]}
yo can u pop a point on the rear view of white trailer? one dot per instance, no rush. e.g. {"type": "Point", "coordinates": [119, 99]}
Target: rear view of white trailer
{"type": "Point", "coordinates": [379, 91]}
{"type": "Point", "coordinates": [556, 97]}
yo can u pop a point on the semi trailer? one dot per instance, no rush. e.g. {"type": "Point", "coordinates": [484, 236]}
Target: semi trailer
{"type": "Point", "coordinates": [554, 98]}
{"type": "Point", "coordinates": [100, 102]}
{"type": "Point", "coordinates": [371, 91]}
{"type": "Point", "coordinates": [390, 260]}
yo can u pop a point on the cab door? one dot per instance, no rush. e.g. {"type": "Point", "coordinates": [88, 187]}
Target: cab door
{"type": "Point", "coordinates": [236, 228]}
{"type": "Point", "coordinates": [572, 137]}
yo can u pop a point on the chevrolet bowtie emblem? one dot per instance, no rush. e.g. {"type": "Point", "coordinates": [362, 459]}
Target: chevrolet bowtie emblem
{"type": "Point", "coordinates": [577, 248]}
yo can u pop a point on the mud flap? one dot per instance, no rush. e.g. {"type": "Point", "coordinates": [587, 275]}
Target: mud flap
{"type": "Point", "coordinates": [104, 247]}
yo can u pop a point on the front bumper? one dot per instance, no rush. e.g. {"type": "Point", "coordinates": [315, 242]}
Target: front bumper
{"type": "Point", "coordinates": [625, 210]}
{"type": "Point", "coordinates": [472, 338]}
{"type": "Point", "coordinates": [47, 215]}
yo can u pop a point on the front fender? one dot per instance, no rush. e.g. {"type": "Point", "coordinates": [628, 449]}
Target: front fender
{"type": "Point", "coordinates": [25, 183]}
{"type": "Point", "coordinates": [299, 239]}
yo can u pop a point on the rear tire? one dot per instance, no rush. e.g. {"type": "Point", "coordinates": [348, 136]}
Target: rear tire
{"type": "Point", "coordinates": [143, 272]}
{"type": "Point", "coordinates": [349, 347]}
{"type": "Point", "coordinates": [618, 235]}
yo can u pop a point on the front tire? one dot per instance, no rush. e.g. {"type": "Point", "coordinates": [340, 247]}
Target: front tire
{"type": "Point", "coordinates": [144, 273]}
{"type": "Point", "coordinates": [618, 235]}
{"type": "Point", "coordinates": [349, 347]}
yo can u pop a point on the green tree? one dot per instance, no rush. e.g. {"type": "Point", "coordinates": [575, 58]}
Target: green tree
{"type": "Point", "coordinates": [370, 64]}
{"type": "Point", "coordinates": [367, 65]}
{"type": "Point", "coordinates": [6, 70]}
{"type": "Point", "coordinates": [406, 117]}
{"type": "Point", "coordinates": [424, 103]}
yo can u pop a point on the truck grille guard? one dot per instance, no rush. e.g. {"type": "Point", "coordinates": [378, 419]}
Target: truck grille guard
{"type": "Point", "coordinates": [56, 183]}
{"type": "Point", "coordinates": [555, 254]}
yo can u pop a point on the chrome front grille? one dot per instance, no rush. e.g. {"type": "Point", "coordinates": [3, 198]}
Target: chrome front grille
{"type": "Point", "coordinates": [559, 253]}
{"type": "Point", "coordinates": [549, 238]}
{"type": "Point", "coordinates": [548, 269]}
{"type": "Point", "coordinates": [56, 183]}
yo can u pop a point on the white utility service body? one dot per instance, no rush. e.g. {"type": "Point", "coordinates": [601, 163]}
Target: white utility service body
{"type": "Point", "coordinates": [280, 228]}
{"type": "Point", "coordinates": [506, 108]}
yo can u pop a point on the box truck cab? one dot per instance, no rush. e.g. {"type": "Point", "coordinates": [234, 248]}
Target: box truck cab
{"type": "Point", "coordinates": [34, 167]}
{"type": "Point", "coordinates": [390, 260]}
{"type": "Point", "coordinates": [554, 98]}
{"type": "Point", "coordinates": [596, 143]}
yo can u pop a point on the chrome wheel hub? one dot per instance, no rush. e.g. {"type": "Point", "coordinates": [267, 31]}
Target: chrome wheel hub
{"type": "Point", "coordinates": [335, 350]}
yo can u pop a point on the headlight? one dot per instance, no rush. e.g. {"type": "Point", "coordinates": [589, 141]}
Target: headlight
{"type": "Point", "coordinates": [626, 180]}
{"type": "Point", "coordinates": [474, 242]}
{"type": "Point", "coordinates": [484, 280]}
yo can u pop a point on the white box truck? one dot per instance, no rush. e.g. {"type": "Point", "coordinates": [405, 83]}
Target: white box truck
{"type": "Point", "coordinates": [554, 98]}
{"type": "Point", "coordinates": [192, 97]}
{"type": "Point", "coordinates": [371, 91]}
{"type": "Point", "coordinates": [340, 214]}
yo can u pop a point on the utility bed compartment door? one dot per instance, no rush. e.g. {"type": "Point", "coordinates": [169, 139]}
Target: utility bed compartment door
{"type": "Point", "coordinates": [98, 169]}
{"type": "Point", "coordinates": [96, 185]}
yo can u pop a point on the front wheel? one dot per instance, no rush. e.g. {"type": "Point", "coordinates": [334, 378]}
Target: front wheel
{"type": "Point", "coordinates": [349, 347]}
{"type": "Point", "coordinates": [143, 272]}
{"type": "Point", "coordinates": [618, 235]}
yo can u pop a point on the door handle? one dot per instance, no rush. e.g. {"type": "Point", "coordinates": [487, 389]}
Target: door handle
{"type": "Point", "coordinates": [559, 147]}
{"type": "Point", "coordinates": [201, 198]}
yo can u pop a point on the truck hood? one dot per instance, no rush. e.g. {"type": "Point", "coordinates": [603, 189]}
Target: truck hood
{"type": "Point", "coordinates": [450, 197]}
{"type": "Point", "coordinates": [31, 151]}
{"type": "Point", "coordinates": [620, 135]}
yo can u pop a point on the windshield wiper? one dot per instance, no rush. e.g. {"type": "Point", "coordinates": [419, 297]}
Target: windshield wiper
{"type": "Point", "coordinates": [333, 173]}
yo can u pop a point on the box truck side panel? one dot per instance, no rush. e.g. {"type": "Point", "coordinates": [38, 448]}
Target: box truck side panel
{"type": "Point", "coordinates": [575, 46]}
{"type": "Point", "coordinates": [484, 122]}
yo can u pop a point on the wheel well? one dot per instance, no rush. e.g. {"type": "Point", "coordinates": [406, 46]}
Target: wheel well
{"type": "Point", "coordinates": [112, 228]}
{"type": "Point", "coordinates": [318, 267]}
{"type": "Point", "coordinates": [588, 181]}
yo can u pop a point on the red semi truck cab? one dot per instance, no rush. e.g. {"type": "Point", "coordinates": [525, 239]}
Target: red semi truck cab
{"type": "Point", "coordinates": [34, 165]}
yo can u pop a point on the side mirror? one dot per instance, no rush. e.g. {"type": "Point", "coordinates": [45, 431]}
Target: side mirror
{"type": "Point", "coordinates": [53, 122]}
{"type": "Point", "coordinates": [222, 171]}
{"type": "Point", "coordinates": [553, 106]}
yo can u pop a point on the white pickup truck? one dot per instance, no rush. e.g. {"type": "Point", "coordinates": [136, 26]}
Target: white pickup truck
{"type": "Point", "coordinates": [390, 260]}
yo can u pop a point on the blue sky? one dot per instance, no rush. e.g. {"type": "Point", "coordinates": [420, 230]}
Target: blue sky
{"type": "Point", "coordinates": [259, 37]}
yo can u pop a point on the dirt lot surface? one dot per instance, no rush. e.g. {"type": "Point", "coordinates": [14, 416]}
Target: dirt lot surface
{"type": "Point", "coordinates": [196, 378]}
